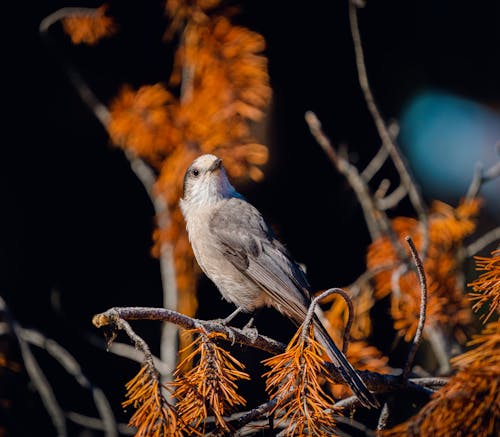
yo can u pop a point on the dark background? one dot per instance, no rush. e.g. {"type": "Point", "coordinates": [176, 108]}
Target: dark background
{"type": "Point", "coordinates": [76, 223]}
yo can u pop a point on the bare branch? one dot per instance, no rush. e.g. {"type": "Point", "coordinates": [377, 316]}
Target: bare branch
{"type": "Point", "coordinates": [350, 317]}
{"type": "Point", "coordinates": [480, 177]}
{"type": "Point", "coordinates": [163, 314]}
{"type": "Point", "coordinates": [37, 376]}
{"type": "Point", "coordinates": [375, 227]}
{"type": "Point", "coordinates": [68, 362]}
{"type": "Point", "coordinates": [482, 242]}
{"type": "Point", "coordinates": [355, 287]}
{"type": "Point", "coordinates": [97, 424]}
{"type": "Point", "coordinates": [383, 418]}
{"type": "Point", "coordinates": [375, 164]}
{"type": "Point", "coordinates": [384, 133]}
{"type": "Point", "coordinates": [169, 340]}
{"type": "Point", "coordinates": [393, 199]}
{"type": "Point", "coordinates": [381, 157]}
{"type": "Point", "coordinates": [423, 307]}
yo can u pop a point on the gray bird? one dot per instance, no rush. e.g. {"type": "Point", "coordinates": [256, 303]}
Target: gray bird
{"type": "Point", "coordinates": [237, 250]}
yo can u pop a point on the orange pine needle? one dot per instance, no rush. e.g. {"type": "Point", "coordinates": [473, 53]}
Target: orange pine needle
{"type": "Point", "coordinates": [209, 388]}
{"type": "Point", "coordinates": [89, 28]}
{"type": "Point", "coordinates": [486, 288]}
{"type": "Point", "coordinates": [295, 382]}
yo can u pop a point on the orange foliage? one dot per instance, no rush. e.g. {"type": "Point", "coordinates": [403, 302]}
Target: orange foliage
{"type": "Point", "coordinates": [470, 403]}
{"type": "Point", "coordinates": [448, 227]}
{"type": "Point", "coordinates": [209, 387]}
{"type": "Point", "coordinates": [89, 28]}
{"type": "Point", "coordinates": [219, 86]}
{"type": "Point", "coordinates": [487, 286]}
{"type": "Point", "coordinates": [153, 415]}
{"type": "Point", "coordinates": [223, 87]}
{"type": "Point", "coordinates": [142, 121]}
{"type": "Point", "coordinates": [295, 382]}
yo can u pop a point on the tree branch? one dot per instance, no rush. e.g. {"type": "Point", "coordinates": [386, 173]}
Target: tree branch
{"type": "Point", "coordinates": [384, 133]}
{"type": "Point", "coordinates": [423, 307]}
{"type": "Point", "coordinates": [169, 334]}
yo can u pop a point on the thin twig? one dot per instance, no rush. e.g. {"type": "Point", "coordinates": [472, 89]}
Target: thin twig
{"type": "Point", "coordinates": [482, 242]}
{"type": "Point", "coordinates": [97, 424]}
{"type": "Point", "coordinates": [423, 307]}
{"type": "Point", "coordinates": [441, 347]}
{"type": "Point", "coordinates": [376, 227]}
{"type": "Point", "coordinates": [37, 377]}
{"type": "Point", "coordinates": [395, 279]}
{"type": "Point", "coordinates": [480, 177]}
{"type": "Point", "coordinates": [311, 311]}
{"type": "Point", "coordinates": [355, 287]}
{"type": "Point", "coordinates": [387, 140]}
{"type": "Point", "coordinates": [375, 164]}
{"type": "Point", "coordinates": [350, 313]}
{"type": "Point", "coordinates": [253, 414]}
{"type": "Point", "coordinates": [68, 362]}
{"type": "Point", "coordinates": [392, 200]}
{"type": "Point", "coordinates": [383, 418]}
{"type": "Point", "coordinates": [169, 333]}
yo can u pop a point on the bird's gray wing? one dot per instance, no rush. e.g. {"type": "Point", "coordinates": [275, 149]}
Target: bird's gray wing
{"type": "Point", "coordinates": [245, 239]}
{"type": "Point", "coordinates": [249, 244]}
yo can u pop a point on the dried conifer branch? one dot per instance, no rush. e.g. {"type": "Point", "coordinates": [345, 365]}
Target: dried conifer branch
{"type": "Point", "coordinates": [423, 306]}
{"type": "Point", "coordinates": [294, 380]}
{"type": "Point", "coordinates": [380, 383]}
{"type": "Point", "coordinates": [210, 386]}
{"type": "Point", "coordinates": [387, 141]}
{"type": "Point", "coordinates": [145, 174]}
{"type": "Point", "coordinates": [350, 314]}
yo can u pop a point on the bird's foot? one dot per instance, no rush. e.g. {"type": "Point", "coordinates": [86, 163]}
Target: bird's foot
{"type": "Point", "coordinates": [250, 330]}
{"type": "Point", "coordinates": [231, 316]}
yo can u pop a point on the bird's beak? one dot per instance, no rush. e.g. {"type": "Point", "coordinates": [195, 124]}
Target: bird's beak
{"type": "Point", "coordinates": [216, 165]}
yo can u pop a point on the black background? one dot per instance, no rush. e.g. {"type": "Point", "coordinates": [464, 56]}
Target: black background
{"type": "Point", "coordinates": [76, 223]}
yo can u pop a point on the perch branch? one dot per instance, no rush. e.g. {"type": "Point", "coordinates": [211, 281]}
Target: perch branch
{"type": "Point", "coordinates": [117, 317]}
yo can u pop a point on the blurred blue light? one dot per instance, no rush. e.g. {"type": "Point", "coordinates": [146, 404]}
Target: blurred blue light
{"type": "Point", "coordinates": [443, 137]}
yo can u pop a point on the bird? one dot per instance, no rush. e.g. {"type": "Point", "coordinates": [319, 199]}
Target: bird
{"type": "Point", "coordinates": [239, 252]}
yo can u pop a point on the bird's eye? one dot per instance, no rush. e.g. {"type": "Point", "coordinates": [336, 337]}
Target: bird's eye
{"type": "Point", "coordinates": [195, 172]}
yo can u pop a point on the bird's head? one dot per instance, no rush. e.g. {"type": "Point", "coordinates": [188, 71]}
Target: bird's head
{"type": "Point", "coordinates": [206, 182]}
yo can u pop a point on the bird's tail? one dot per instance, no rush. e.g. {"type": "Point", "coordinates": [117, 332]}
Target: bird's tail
{"type": "Point", "coordinates": [345, 368]}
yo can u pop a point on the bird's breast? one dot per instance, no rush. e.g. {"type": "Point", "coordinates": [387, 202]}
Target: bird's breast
{"type": "Point", "coordinates": [233, 284]}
